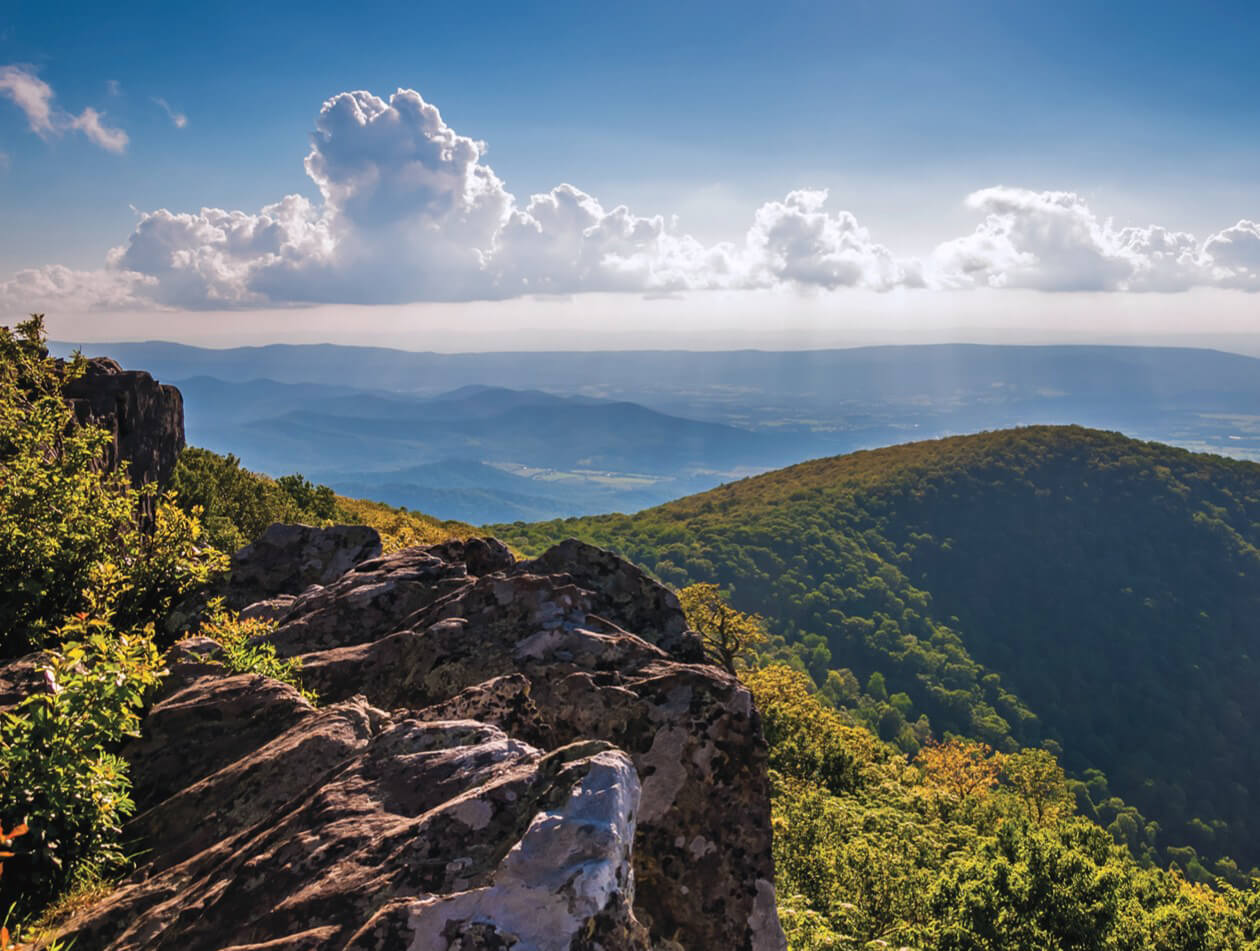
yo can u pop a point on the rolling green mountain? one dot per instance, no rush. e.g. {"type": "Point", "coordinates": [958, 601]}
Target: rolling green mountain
{"type": "Point", "coordinates": [1052, 586]}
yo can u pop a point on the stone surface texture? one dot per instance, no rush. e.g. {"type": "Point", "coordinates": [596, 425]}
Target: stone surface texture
{"type": "Point", "coordinates": [530, 756]}
{"type": "Point", "coordinates": [144, 417]}
{"type": "Point", "coordinates": [288, 559]}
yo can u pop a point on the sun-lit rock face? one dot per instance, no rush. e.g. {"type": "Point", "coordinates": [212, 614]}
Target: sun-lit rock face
{"type": "Point", "coordinates": [526, 756]}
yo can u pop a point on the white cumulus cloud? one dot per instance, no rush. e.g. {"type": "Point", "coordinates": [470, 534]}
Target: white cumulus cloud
{"type": "Point", "coordinates": [54, 287]}
{"type": "Point", "coordinates": [1041, 240]}
{"type": "Point", "coordinates": [1234, 255]}
{"type": "Point", "coordinates": [565, 241]}
{"type": "Point", "coordinates": [226, 258]}
{"type": "Point", "coordinates": [409, 209]}
{"type": "Point", "coordinates": [1053, 241]}
{"type": "Point", "coordinates": [796, 241]}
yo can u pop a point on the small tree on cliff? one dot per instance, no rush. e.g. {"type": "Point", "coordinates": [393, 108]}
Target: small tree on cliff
{"type": "Point", "coordinates": [729, 635]}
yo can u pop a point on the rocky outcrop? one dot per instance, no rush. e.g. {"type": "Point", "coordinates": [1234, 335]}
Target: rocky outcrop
{"type": "Point", "coordinates": [527, 756]}
{"type": "Point", "coordinates": [623, 591]}
{"type": "Point", "coordinates": [145, 418]}
{"type": "Point", "coordinates": [288, 559]}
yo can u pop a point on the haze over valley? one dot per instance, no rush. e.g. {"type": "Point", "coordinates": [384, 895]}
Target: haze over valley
{"type": "Point", "coordinates": [501, 437]}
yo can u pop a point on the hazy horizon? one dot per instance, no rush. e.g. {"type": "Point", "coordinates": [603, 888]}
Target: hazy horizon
{"type": "Point", "coordinates": [1241, 346]}
{"type": "Point", "coordinates": [567, 325]}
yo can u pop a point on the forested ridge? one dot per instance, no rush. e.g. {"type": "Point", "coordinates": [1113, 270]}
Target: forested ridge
{"type": "Point", "coordinates": [885, 833]}
{"type": "Point", "coordinates": [961, 848]}
{"type": "Point", "coordinates": [1050, 587]}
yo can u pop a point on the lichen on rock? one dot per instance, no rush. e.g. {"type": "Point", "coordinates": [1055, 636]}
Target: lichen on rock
{"type": "Point", "coordinates": [529, 756]}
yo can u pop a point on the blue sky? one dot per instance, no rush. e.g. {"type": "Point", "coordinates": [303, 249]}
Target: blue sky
{"type": "Point", "coordinates": [700, 113]}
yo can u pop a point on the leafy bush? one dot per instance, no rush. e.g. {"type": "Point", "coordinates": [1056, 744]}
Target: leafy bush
{"type": "Point", "coordinates": [70, 529]}
{"type": "Point", "coordinates": [318, 501]}
{"type": "Point", "coordinates": [79, 568]}
{"type": "Point", "coordinates": [238, 505]}
{"type": "Point", "coordinates": [60, 517]}
{"type": "Point", "coordinates": [58, 770]}
{"type": "Point", "coordinates": [242, 651]}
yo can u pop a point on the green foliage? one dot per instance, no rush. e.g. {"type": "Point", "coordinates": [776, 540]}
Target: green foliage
{"type": "Point", "coordinates": [806, 929]}
{"type": "Point", "coordinates": [951, 853]}
{"type": "Point", "coordinates": [156, 565]}
{"type": "Point", "coordinates": [238, 505]}
{"type": "Point", "coordinates": [1038, 780]}
{"type": "Point", "coordinates": [319, 501]}
{"type": "Point", "coordinates": [58, 770]}
{"type": "Point", "coordinates": [1028, 888]}
{"type": "Point", "coordinates": [1046, 587]}
{"type": "Point", "coordinates": [808, 740]}
{"type": "Point", "coordinates": [244, 650]}
{"type": "Point", "coordinates": [400, 528]}
{"type": "Point", "coordinates": [70, 531]}
{"type": "Point", "coordinates": [960, 772]}
{"type": "Point", "coordinates": [83, 567]}
{"type": "Point", "coordinates": [730, 636]}
{"type": "Point", "coordinates": [60, 517]}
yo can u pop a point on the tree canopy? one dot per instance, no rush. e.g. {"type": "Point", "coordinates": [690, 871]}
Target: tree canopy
{"type": "Point", "coordinates": [1045, 587]}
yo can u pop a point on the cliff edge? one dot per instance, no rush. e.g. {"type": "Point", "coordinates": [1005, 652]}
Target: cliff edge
{"type": "Point", "coordinates": [506, 755]}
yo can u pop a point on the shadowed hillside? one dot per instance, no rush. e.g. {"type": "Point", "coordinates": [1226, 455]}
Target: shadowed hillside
{"type": "Point", "coordinates": [1046, 585]}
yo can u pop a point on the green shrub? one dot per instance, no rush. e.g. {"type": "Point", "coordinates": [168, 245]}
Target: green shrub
{"type": "Point", "coordinates": [317, 501]}
{"type": "Point", "coordinates": [58, 769]}
{"type": "Point", "coordinates": [69, 529]}
{"type": "Point", "coordinates": [78, 566]}
{"type": "Point", "coordinates": [59, 515]}
{"type": "Point", "coordinates": [238, 505]}
{"type": "Point", "coordinates": [241, 651]}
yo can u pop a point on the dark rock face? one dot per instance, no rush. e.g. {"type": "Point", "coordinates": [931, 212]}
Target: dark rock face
{"type": "Point", "coordinates": [506, 756]}
{"type": "Point", "coordinates": [288, 559]}
{"type": "Point", "coordinates": [146, 418]}
{"type": "Point", "coordinates": [624, 592]}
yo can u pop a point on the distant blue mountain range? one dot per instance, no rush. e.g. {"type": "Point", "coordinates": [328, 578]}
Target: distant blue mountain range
{"type": "Point", "coordinates": [498, 437]}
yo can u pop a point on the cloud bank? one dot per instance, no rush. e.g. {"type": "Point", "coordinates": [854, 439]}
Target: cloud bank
{"type": "Point", "coordinates": [35, 98]}
{"type": "Point", "coordinates": [1052, 241]}
{"type": "Point", "coordinates": [409, 210]}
